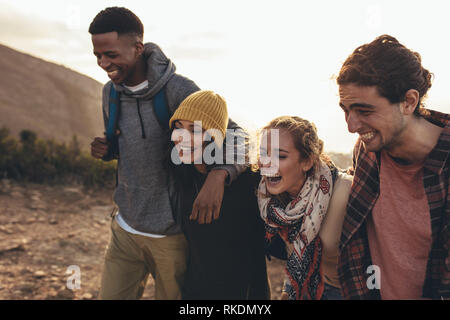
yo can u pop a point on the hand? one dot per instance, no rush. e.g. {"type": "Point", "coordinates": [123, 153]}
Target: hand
{"type": "Point", "coordinates": [284, 296]}
{"type": "Point", "coordinates": [99, 147]}
{"type": "Point", "coordinates": [209, 200]}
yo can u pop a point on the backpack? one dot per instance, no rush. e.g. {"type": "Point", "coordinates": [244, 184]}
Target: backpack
{"type": "Point", "coordinates": [161, 111]}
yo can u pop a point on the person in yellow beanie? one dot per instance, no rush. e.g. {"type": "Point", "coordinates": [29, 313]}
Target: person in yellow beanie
{"type": "Point", "coordinates": [202, 110]}
{"type": "Point", "coordinates": [226, 255]}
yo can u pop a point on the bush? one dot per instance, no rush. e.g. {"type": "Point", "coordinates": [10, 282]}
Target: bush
{"type": "Point", "coordinates": [46, 161]}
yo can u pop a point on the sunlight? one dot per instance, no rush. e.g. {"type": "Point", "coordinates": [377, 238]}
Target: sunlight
{"type": "Point", "coordinates": [265, 59]}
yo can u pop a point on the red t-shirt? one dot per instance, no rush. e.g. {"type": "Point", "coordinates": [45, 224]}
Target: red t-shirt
{"type": "Point", "coordinates": [399, 230]}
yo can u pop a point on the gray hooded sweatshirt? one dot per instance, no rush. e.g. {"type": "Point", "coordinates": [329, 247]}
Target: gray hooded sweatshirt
{"type": "Point", "coordinates": [145, 193]}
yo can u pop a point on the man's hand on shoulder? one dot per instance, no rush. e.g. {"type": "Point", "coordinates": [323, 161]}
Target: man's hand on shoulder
{"type": "Point", "coordinates": [209, 200]}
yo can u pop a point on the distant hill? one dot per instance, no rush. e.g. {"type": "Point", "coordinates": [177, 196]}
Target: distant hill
{"type": "Point", "coordinates": [51, 100]}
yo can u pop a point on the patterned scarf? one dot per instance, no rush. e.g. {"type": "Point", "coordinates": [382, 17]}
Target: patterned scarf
{"type": "Point", "coordinates": [298, 224]}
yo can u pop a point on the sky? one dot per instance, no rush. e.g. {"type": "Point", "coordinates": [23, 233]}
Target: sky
{"type": "Point", "coordinates": [267, 58]}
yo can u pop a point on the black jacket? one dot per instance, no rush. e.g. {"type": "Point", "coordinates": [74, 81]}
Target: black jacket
{"type": "Point", "coordinates": [226, 257]}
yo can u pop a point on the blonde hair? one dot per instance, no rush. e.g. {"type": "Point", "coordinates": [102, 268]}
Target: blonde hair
{"type": "Point", "coordinates": [304, 135]}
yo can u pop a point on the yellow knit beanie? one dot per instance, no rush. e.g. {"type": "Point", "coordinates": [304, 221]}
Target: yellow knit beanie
{"type": "Point", "coordinates": [207, 107]}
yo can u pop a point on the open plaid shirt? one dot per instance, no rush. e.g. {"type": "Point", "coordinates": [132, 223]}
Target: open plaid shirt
{"type": "Point", "coordinates": [354, 257]}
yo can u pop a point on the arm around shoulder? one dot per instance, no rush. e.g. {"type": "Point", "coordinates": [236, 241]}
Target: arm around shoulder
{"type": "Point", "coordinates": [331, 228]}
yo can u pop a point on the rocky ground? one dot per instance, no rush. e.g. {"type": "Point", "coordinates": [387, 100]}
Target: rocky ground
{"type": "Point", "coordinates": [47, 230]}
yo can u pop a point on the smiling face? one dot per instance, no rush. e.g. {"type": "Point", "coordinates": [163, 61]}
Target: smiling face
{"type": "Point", "coordinates": [118, 56]}
{"type": "Point", "coordinates": [188, 139]}
{"type": "Point", "coordinates": [378, 122]}
{"type": "Point", "coordinates": [281, 164]}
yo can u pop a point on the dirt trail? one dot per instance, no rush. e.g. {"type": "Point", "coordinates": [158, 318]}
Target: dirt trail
{"type": "Point", "coordinates": [46, 229]}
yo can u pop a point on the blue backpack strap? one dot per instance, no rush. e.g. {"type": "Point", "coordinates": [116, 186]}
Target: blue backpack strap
{"type": "Point", "coordinates": [161, 108]}
{"type": "Point", "coordinates": [159, 104]}
{"type": "Point", "coordinates": [113, 117]}
{"type": "Point", "coordinates": [114, 105]}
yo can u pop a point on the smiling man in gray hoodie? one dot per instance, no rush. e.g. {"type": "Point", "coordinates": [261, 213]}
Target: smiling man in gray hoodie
{"type": "Point", "coordinates": [146, 236]}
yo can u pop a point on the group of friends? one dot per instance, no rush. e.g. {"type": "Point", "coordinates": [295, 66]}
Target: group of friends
{"type": "Point", "coordinates": [377, 230]}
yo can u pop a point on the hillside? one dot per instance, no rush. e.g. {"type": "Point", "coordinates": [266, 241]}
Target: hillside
{"type": "Point", "coordinates": [51, 100]}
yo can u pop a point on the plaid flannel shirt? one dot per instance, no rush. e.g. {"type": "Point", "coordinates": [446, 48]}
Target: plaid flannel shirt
{"type": "Point", "coordinates": [354, 256]}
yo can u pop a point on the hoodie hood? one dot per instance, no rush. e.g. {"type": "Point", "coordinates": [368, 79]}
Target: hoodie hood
{"type": "Point", "coordinates": [159, 70]}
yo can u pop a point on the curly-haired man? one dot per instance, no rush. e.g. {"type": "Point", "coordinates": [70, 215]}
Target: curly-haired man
{"type": "Point", "coordinates": [395, 240]}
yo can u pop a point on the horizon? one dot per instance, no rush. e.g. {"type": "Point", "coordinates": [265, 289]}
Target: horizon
{"type": "Point", "coordinates": [264, 70]}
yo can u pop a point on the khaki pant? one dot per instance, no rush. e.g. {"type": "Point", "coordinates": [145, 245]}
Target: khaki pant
{"type": "Point", "coordinates": [131, 258]}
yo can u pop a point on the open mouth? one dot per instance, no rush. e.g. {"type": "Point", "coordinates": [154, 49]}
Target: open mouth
{"type": "Point", "coordinates": [273, 179]}
{"type": "Point", "coordinates": [113, 74]}
{"type": "Point", "coordinates": [366, 137]}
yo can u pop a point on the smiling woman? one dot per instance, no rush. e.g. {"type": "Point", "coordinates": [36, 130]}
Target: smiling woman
{"type": "Point", "coordinates": [300, 192]}
{"type": "Point", "coordinates": [226, 255]}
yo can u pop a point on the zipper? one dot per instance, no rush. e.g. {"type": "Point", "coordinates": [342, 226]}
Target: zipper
{"type": "Point", "coordinates": [140, 119]}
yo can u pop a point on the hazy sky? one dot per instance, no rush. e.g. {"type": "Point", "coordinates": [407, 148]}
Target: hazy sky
{"type": "Point", "coordinates": [267, 58]}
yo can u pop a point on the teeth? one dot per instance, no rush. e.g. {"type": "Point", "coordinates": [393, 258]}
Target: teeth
{"type": "Point", "coordinates": [113, 73]}
{"type": "Point", "coordinates": [270, 175]}
{"type": "Point", "coordinates": [367, 136]}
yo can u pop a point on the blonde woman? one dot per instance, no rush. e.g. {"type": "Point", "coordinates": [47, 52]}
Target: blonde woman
{"type": "Point", "coordinates": [302, 199]}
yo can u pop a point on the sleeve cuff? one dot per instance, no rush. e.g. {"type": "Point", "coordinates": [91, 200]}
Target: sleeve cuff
{"type": "Point", "coordinates": [231, 170]}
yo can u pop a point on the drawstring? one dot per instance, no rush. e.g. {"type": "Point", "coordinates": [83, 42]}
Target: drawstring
{"type": "Point", "coordinates": [140, 119]}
